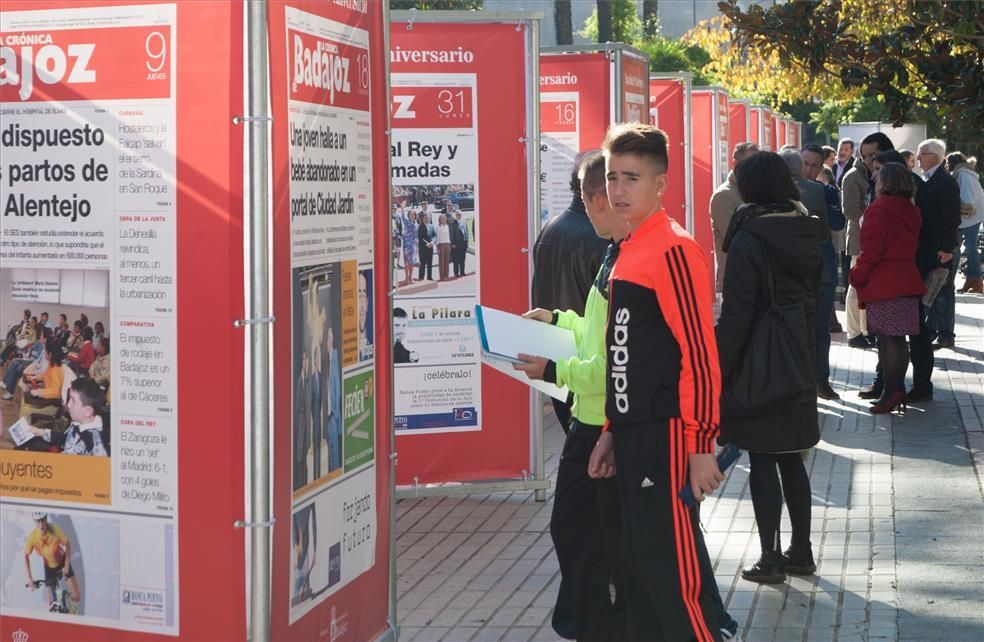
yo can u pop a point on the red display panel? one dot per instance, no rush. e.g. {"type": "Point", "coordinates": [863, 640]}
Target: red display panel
{"type": "Point", "coordinates": [738, 127]}
{"type": "Point", "coordinates": [487, 437]}
{"type": "Point", "coordinates": [774, 133]}
{"type": "Point", "coordinates": [635, 89]}
{"type": "Point", "coordinates": [575, 112]}
{"type": "Point", "coordinates": [136, 63]}
{"type": "Point", "coordinates": [328, 88]}
{"type": "Point", "coordinates": [709, 129]}
{"type": "Point", "coordinates": [768, 131]}
{"type": "Point", "coordinates": [783, 136]}
{"type": "Point", "coordinates": [667, 111]}
{"type": "Point", "coordinates": [588, 76]}
{"type": "Point", "coordinates": [755, 125]}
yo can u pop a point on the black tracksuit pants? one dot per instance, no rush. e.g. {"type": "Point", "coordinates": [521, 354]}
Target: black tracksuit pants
{"type": "Point", "coordinates": [586, 526]}
{"type": "Point", "coordinates": [662, 546]}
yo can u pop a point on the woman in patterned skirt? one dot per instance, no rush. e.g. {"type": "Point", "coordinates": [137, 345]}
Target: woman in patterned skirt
{"type": "Point", "coordinates": [887, 279]}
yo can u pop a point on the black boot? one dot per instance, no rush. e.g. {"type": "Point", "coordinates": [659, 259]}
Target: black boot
{"type": "Point", "coordinates": [799, 562]}
{"type": "Point", "coordinates": [767, 570]}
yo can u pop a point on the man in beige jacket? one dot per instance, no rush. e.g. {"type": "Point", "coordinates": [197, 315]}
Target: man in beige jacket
{"type": "Point", "coordinates": [854, 198]}
{"type": "Point", "coordinates": [724, 201]}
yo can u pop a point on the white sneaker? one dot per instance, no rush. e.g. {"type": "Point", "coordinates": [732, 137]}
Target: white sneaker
{"type": "Point", "coordinates": [7, 396]}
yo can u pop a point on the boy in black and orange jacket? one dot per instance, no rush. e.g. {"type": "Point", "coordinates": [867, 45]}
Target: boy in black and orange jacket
{"type": "Point", "coordinates": [663, 391]}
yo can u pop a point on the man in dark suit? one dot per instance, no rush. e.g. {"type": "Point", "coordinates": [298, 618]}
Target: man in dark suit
{"type": "Point", "coordinates": [845, 159]}
{"type": "Point", "coordinates": [425, 248]}
{"type": "Point", "coordinates": [813, 198]}
{"type": "Point", "coordinates": [817, 195]}
{"type": "Point", "coordinates": [942, 206]}
{"type": "Point", "coordinates": [459, 243]}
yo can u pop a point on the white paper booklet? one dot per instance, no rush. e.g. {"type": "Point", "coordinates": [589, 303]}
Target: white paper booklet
{"type": "Point", "coordinates": [505, 336]}
{"type": "Point", "coordinates": [19, 433]}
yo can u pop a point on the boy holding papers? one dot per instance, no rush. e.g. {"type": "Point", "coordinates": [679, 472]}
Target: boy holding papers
{"type": "Point", "coordinates": [586, 522]}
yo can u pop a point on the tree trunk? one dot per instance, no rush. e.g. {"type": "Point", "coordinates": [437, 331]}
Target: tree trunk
{"type": "Point", "coordinates": [650, 17]}
{"type": "Point", "coordinates": [563, 26]}
{"type": "Point", "coordinates": [605, 20]}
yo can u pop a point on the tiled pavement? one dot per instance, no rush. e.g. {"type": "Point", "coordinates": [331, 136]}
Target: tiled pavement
{"type": "Point", "coordinates": [898, 520]}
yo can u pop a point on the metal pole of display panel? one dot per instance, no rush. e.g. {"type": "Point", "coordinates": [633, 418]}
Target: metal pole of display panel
{"type": "Point", "coordinates": [533, 152]}
{"type": "Point", "coordinates": [537, 481]}
{"type": "Point", "coordinates": [392, 616]}
{"type": "Point", "coordinates": [618, 91]}
{"type": "Point", "coordinates": [688, 148]}
{"type": "Point", "coordinates": [593, 48]}
{"type": "Point", "coordinates": [258, 324]}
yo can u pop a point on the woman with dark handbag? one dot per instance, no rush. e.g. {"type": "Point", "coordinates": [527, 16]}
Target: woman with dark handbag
{"type": "Point", "coordinates": [887, 279]}
{"type": "Point", "coordinates": [768, 357]}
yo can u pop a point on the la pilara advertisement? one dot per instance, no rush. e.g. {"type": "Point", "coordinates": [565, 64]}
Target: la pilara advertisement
{"type": "Point", "coordinates": [436, 350]}
{"type": "Point", "coordinates": [88, 446]}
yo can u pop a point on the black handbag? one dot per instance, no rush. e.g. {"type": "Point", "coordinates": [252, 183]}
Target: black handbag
{"type": "Point", "coordinates": [776, 366]}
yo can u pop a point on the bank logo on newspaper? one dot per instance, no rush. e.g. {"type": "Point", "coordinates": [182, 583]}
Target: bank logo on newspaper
{"type": "Point", "coordinates": [19, 636]}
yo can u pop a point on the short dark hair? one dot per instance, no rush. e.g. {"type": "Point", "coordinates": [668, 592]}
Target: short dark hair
{"type": "Point", "coordinates": [399, 313]}
{"type": "Point", "coordinates": [104, 342]}
{"type": "Point", "coordinates": [78, 324]}
{"type": "Point", "coordinates": [896, 180]}
{"type": "Point", "coordinates": [54, 350]}
{"type": "Point", "coordinates": [87, 333]}
{"type": "Point", "coordinates": [744, 150]}
{"type": "Point", "coordinates": [828, 151]}
{"type": "Point", "coordinates": [89, 392]}
{"type": "Point", "coordinates": [643, 140]}
{"type": "Point", "coordinates": [764, 178]}
{"type": "Point", "coordinates": [816, 149]}
{"type": "Point", "coordinates": [891, 156]}
{"type": "Point", "coordinates": [884, 142]}
{"type": "Point", "coordinates": [906, 154]}
{"type": "Point", "coordinates": [63, 317]}
{"type": "Point", "coordinates": [846, 141]}
{"type": "Point", "coordinates": [575, 173]}
{"type": "Point", "coordinates": [953, 159]}
{"type": "Point", "coordinates": [591, 173]}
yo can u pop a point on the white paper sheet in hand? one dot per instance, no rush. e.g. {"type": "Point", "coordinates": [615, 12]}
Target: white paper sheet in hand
{"type": "Point", "coordinates": [505, 336]}
{"type": "Point", "coordinates": [508, 335]}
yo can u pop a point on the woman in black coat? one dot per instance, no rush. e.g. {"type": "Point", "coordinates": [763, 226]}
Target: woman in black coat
{"type": "Point", "coordinates": [772, 226]}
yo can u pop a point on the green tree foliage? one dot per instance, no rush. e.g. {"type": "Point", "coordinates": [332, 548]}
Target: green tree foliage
{"type": "Point", "coordinates": [435, 5]}
{"type": "Point", "coordinates": [910, 53]}
{"type": "Point", "coordinates": [668, 54]}
{"type": "Point", "coordinates": [625, 23]}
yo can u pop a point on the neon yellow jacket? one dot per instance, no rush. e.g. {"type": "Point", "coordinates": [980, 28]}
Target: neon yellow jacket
{"type": "Point", "coordinates": [584, 374]}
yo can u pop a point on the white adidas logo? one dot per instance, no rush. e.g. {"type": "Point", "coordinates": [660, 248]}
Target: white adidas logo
{"type": "Point", "coordinates": [646, 483]}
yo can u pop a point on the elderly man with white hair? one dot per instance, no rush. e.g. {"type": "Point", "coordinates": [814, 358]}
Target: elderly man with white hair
{"type": "Point", "coordinates": [939, 239]}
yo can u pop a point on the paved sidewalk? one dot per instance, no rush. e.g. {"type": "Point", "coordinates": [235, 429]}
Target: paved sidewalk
{"type": "Point", "coordinates": [898, 519]}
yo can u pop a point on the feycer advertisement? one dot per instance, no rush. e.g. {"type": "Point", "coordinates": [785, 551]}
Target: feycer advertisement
{"type": "Point", "coordinates": [436, 351]}
{"type": "Point", "coordinates": [88, 451]}
{"type": "Point", "coordinates": [333, 525]}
